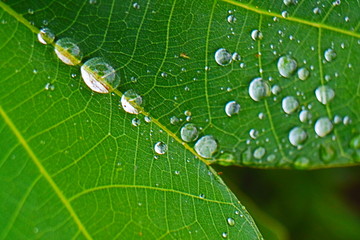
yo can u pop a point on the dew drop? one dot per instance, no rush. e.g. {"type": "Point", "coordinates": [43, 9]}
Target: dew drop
{"type": "Point", "coordinates": [290, 2]}
{"type": "Point", "coordinates": [231, 19]}
{"type": "Point", "coordinates": [232, 108]}
{"type": "Point", "coordinates": [329, 54]}
{"type": "Point", "coordinates": [147, 119]}
{"type": "Point", "coordinates": [99, 76]}
{"type": "Point", "coordinates": [290, 104]}
{"type": "Point", "coordinates": [224, 235]}
{"type": "Point", "coordinates": [49, 86]}
{"type": "Point", "coordinates": [276, 89]}
{"type": "Point", "coordinates": [286, 66]}
{"type": "Point", "coordinates": [256, 35]}
{"type": "Point", "coordinates": [253, 133]}
{"type": "Point", "coordinates": [160, 148]}
{"type": "Point", "coordinates": [223, 57]}
{"type": "Point", "coordinates": [259, 152]}
{"type": "Point", "coordinates": [346, 120]}
{"type": "Point", "coordinates": [302, 163]}
{"type": "Point", "coordinates": [323, 126]}
{"type": "Point", "coordinates": [355, 142]}
{"type": "Point", "coordinates": [327, 152]}
{"type": "Point", "coordinates": [135, 122]}
{"type": "Point", "coordinates": [68, 52]}
{"type": "Point", "coordinates": [226, 159]}
{"type": "Point", "coordinates": [131, 102]}
{"type": "Point", "coordinates": [174, 120]}
{"type": "Point", "coordinates": [136, 5]}
{"type": "Point", "coordinates": [316, 10]}
{"type": "Point", "coordinates": [284, 14]}
{"type": "Point", "coordinates": [303, 73]}
{"type": "Point", "coordinates": [231, 221]}
{"type": "Point", "coordinates": [297, 136]}
{"type": "Point", "coordinates": [305, 116]}
{"type": "Point", "coordinates": [259, 89]}
{"type": "Point", "coordinates": [324, 94]}
{"type": "Point", "coordinates": [189, 132]}
{"type": "Point", "coordinates": [46, 36]}
{"type": "Point", "coordinates": [206, 146]}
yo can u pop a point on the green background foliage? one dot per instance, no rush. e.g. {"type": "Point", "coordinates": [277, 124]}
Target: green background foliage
{"type": "Point", "coordinates": [72, 165]}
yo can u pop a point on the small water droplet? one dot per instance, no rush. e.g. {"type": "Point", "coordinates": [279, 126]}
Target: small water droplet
{"type": "Point", "coordinates": [226, 159]}
{"type": "Point", "coordinates": [256, 35]}
{"type": "Point", "coordinates": [223, 57]}
{"type": "Point", "coordinates": [147, 119]}
{"type": "Point", "coordinates": [177, 172]}
{"type": "Point", "coordinates": [303, 73]}
{"type": "Point", "coordinates": [131, 102]}
{"type": "Point", "coordinates": [231, 221]}
{"type": "Point", "coordinates": [302, 163]}
{"type": "Point", "coordinates": [290, 2]}
{"type": "Point", "coordinates": [206, 146]}
{"type": "Point", "coordinates": [232, 108]}
{"type": "Point", "coordinates": [346, 120]}
{"type": "Point", "coordinates": [290, 104]}
{"type": "Point", "coordinates": [329, 54]}
{"type": "Point", "coordinates": [224, 235]}
{"type": "Point", "coordinates": [324, 94]}
{"type": "Point", "coordinates": [323, 126]}
{"type": "Point", "coordinates": [99, 76]}
{"type": "Point", "coordinates": [259, 152]}
{"type": "Point", "coordinates": [160, 148]}
{"type": "Point", "coordinates": [286, 66]}
{"type": "Point", "coordinates": [189, 132]}
{"type": "Point", "coordinates": [276, 89]}
{"type": "Point", "coordinates": [284, 14]}
{"type": "Point", "coordinates": [316, 10]}
{"type": "Point", "coordinates": [92, 2]}
{"type": "Point", "coordinates": [174, 120]}
{"type": "Point", "coordinates": [253, 133]}
{"type": "Point", "coordinates": [68, 52]}
{"type": "Point", "coordinates": [46, 36]}
{"type": "Point", "coordinates": [297, 136]}
{"type": "Point", "coordinates": [136, 5]}
{"type": "Point", "coordinates": [135, 122]}
{"type": "Point", "coordinates": [305, 116]}
{"type": "Point", "coordinates": [231, 19]}
{"type": "Point", "coordinates": [355, 142]}
{"type": "Point", "coordinates": [259, 89]}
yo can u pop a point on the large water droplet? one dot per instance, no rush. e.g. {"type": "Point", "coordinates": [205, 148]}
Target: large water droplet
{"type": "Point", "coordinates": [68, 52]}
{"type": "Point", "coordinates": [303, 73]}
{"type": "Point", "coordinates": [290, 104]}
{"type": "Point", "coordinates": [189, 132]}
{"type": "Point", "coordinates": [160, 148]}
{"type": "Point", "coordinates": [256, 35]}
{"type": "Point", "coordinates": [323, 126]}
{"type": "Point", "coordinates": [329, 54]}
{"type": "Point", "coordinates": [286, 66]}
{"type": "Point", "coordinates": [297, 136]}
{"type": "Point", "coordinates": [232, 108]}
{"type": "Point", "coordinates": [259, 89]}
{"type": "Point", "coordinates": [46, 36]}
{"type": "Point", "coordinates": [99, 76]}
{"type": "Point", "coordinates": [206, 146]}
{"type": "Point", "coordinates": [324, 94]}
{"type": "Point", "coordinates": [231, 221]}
{"type": "Point", "coordinates": [131, 102]}
{"type": "Point", "coordinates": [223, 57]}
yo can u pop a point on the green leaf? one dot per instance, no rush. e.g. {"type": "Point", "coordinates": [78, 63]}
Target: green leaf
{"type": "Point", "coordinates": [72, 162]}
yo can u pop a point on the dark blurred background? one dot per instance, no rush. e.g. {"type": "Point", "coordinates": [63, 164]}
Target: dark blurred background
{"type": "Point", "coordinates": [293, 204]}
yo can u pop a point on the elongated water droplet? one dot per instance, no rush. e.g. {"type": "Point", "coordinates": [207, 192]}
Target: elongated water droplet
{"type": "Point", "coordinates": [232, 108]}
{"type": "Point", "coordinates": [68, 52]}
{"type": "Point", "coordinates": [259, 89]}
{"type": "Point", "coordinates": [324, 94]}
{"type": "Point", "coordinates": [46, 36]}
{"type": "Point", "coordinates": [253, 133]}
{"type": "Point", "coordinates": [131, 102]}
{"type": "Point", "coordinates": [231, 221]}
{"type": "Point", "coordinates": [206, 146]}
{"type": "Point", "coordinates": [303, 73]}
{"type": "Point", "coordinates": [286, 66]}
{"type": "Point", "coordinates": [160, 148]}
{"type": "Point", "coordinates": [189, 132]}
{"type": "Point", "coordinates": [99, 76]}
{"type": "Point", "coordinates": [297, 136]}
{"type": "Point", "coordinates": [330, 54]}
{"type": "Point", "coordinates": [290, 104]}
{"type": "Point", "coordinates": [223, 57]}
{"type": "Point", "coordinates": [323, 126]}
{"type": "Point", "coordinates": [256, 35]}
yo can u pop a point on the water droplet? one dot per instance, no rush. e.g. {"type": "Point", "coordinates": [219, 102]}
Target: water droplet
{"type": "Point", "coordinates": [135, 122]}
{"type": "Point", "coordinates": [177, 172]}
{"type": "Point", "coordinates": [355, 142]}
{"type": "Point", "coordinates": [164, 74]}
{"type": "Point", "coordinates": [224, 235]}
{"type": "Point", "coordinates": [136, 5]}
{"type": "Point", "coordinates": [147, 119]}
{"type": "Point", "coordinates": [303, 73]}
{"type": "Point", "coordinates": [324, 94]}
{"type": "Point", "coordinates": [202, 196]}
{"type": "Point", "coordinates": [286, 66]}
{"type": "Point", "coordinates": [49, 86]}
{"type": "Point", "coordinates": [174, 120]}
{"type": "Point", "coordinates": [290, 2]}
{"type": "Point", "coordinates": [206, 146]}
{"type": "Point", "coordinates": [327, 152]}
{"type": "Point", "coordinates": [323, 126]}
{"type": "Point", "coordinates": [226, 159]}
{"type": "Point", "coordinates": [189, 132]}
{"type": "Point", "coordinates": [99, 76]}
{"type": "Point", "coordinates": [284, 14]}
{"type": "Point", "coordinates": [276, 89]}
{"type": "Point", "coordinates": [92, 2]}
{"type": "Point", "coordinates": [30, 11]}
{"type": "Point", "coordinates": [253, 133]}
{"type": "Point", "coordinates": [223, 57]}
{"type": "Point", "coordinates": [160, 148]}
{"type": "Point", "coordinates": [259, 152]}
{"type": "Point", "coordinates": [236, 56]}
{"type": "Point", "coordinates": [316, 10]}
{"type": "Point", "coordinates": [68, 52]}
{"type": "Point", "coordinates": [232, 108]}
{"type": "Point", "coordinates": [305, 116]}
{"type": "Point", "coordinates": [131, 102]}
{"type": "Point", "coordinates": [337, 119]}
{"type": "Point", "coordinates": [259, 89]}
{"type": "Point", "coordinates": [46, 36]}
{"type": "Point", "coordinates": [256, 35]}
{"type": "Point", "coordinates": [231, 19]}
{"type": "Point", "coordinates": [302, 163]}
{"type": "Point", "coordinates": [290, 104]}
{"type": "Point", "coordinates": [297, 136]}
{"type": "Point", "coordinates": [329, 54]}
{"type": "Point", "coordinates": [346, 120]}
{"type": "Point", "coordinates": [231, 221]}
